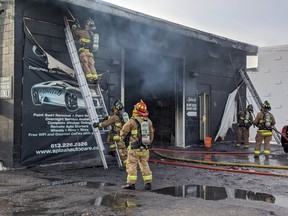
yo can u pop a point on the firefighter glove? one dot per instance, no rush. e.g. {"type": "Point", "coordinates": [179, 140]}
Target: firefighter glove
{"type": "Point", "coordinates": [96, 125]}
{"type": "Point", "coordinates": [269, 128]}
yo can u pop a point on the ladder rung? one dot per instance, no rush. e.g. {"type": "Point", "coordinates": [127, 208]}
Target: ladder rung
{"type": "Point", "coordinates": [105, 130]}
{"type": "Point", "coordinates": [86, 93]}
{"type": "Point", "coordinates": [255, 95]}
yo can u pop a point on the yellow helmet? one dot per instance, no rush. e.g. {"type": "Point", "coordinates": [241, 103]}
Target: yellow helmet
{"type": "Point", "coordinates": [250, 108]}
{"type": "Point", "coordinates": [266, 106]}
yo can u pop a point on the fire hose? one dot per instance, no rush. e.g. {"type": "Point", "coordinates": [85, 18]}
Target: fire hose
{"type": "Point", "coordinates": [285, 137]}
{"type": "Point", "coordinates": [218, 168]}
{"type": "Point", "coordinates": [156, 151]}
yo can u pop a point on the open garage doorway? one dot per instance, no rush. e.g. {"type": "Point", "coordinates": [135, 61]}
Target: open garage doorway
{"type": "Point", "coordinates": [154, 79]}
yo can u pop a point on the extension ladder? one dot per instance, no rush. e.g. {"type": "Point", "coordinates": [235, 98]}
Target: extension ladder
{"type": "Point", "coordinates": [256, 97]}
{"type": "Point", "coordinates": [102, 113]}
{"type": "Point", "coordinates": [91, 105]}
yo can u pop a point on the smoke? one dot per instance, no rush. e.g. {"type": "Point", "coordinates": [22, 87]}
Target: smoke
{"type": "Point", "coordinates": [147, 65]}
{"type": "Point", "coordinates": [149, 72]}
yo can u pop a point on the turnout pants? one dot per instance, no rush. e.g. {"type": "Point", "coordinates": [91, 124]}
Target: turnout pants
{"type": "Point", "coordinates": [122, 151]}
{"type": "Point", "coordinates": [243, 132]}
{"type": "Point", "coordinates": [259, 139]}
{"type": "Point", "coordinates": [135, 157]}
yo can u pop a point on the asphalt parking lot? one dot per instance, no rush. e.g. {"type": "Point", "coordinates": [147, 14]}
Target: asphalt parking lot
{"type": "Point", "coordinates": [62, 189]}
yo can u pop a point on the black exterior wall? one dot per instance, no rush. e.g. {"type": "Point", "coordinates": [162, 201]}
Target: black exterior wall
{"type": "Point", "coordinates": [205, 67]}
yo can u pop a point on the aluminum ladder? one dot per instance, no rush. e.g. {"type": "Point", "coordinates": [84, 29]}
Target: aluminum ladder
{"type": "Point", "coordinates": [102, 113]}
{"type": "Point", "coordinates": [256, 97]}
{"type": "Point", "coordinates": [86, 93]}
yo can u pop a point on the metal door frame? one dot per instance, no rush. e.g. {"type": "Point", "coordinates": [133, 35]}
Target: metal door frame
{"type": "Point", "coordinates": [204, 115]}
{"type": "Point", "coordinates": [180, 107]}
{"type": "Point", "coordinates": [179, 99]}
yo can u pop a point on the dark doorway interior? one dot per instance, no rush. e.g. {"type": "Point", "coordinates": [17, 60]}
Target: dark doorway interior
{"type": "Point", "coordinates": [152, 78]}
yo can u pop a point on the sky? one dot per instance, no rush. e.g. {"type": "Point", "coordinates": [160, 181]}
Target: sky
{"type": "Point", "coordinates": [257, 22]}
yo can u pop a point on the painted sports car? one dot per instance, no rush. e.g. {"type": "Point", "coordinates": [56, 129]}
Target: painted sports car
{"type": "Point", "coordinates": [60, 93]}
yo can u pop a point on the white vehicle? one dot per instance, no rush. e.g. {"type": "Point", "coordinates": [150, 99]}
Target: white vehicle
{"type": "Point", "coordinates": [60, 93]}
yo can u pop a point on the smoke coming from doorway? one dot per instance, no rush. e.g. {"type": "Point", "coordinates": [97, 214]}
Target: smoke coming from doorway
{"type": "Point", "coordinates": [150, 73]}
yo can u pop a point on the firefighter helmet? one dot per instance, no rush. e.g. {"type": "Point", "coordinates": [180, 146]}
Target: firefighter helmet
{"type": "Point", "coordinates": [141, 107]}
{"type": "Point", "coordinates": [90, 24]}
{"type": "Point", "coordinates": [118, 105]}
{"type": "Point", "coordinates": [250, 108]}
{"type": "Point", "coordinates": [266, 106]}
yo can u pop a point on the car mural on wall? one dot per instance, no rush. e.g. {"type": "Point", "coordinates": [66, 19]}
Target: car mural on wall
{"type": "Point", "coordinates": [63, 93]}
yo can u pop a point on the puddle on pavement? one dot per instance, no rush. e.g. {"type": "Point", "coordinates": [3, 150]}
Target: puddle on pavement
{"type": "Point", "coordinates": [220, 193]}
{"type": "Point", "coordinates": [88, 184]}
{"type": "Point", "coordinates": [117, 202]}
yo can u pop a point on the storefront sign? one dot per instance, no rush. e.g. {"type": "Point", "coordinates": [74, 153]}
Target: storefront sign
{"type": "Point", "coordinates": [6, 87]}
{"type": "Point", "coordinates": [191, 106]}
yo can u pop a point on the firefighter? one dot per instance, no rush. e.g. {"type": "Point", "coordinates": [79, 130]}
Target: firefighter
{"type": "Point", "coordinates": [245, 120]}
{"type": "Point", "coordinates": [89, 44]}
{"type": "Point", "coordinates": [116, 121]}
{"type": "Point", "coordinates": [264, 121]}
{"type": "Point", "coordinates": [142, 135]}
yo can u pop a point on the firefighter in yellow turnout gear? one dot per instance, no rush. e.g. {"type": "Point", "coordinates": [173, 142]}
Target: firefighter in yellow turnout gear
{"type": "Point", "coordinates": [116, 121]}
{"type": "Point", "coordinates": [264, 121]}
{"type": "Point", "coordinates": [142, 135]}
{"type": "Point", "coordinates": [89, 44]}
{"type": "Point", "coordinates": [245, 120]}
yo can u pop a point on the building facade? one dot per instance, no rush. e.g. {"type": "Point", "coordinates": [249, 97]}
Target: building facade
{"type": "Point", "coordinates": [270, 81]}
{"type": "Point", "coordinates": [184, 75]}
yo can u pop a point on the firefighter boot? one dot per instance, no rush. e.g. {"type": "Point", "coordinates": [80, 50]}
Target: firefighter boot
{"type": "Point", "coordinates": [112, 149]}
{"type": "Point", "coordinates": [89, 77]}
{"type": "Point", "coordinates": [148, 186]}
{"type": "Point", "coordinates": [94, 77]}
{"type": "Point", "coordinates": [129, 186]}
{"type": "Point", "coordinates": [256, 159]}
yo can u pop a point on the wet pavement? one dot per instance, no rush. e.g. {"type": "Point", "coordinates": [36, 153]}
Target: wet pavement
{"type": "Point", "coordinates": [228, 153]}
{"type": "Point", "coordinates": [220, 193]}
{"type": "Point", "coordinates": [176, 190]}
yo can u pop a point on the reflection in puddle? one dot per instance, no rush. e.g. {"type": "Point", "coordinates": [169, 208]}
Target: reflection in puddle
{"type": "Point", "coordinates": [219, 193]}
{"type": "Point", "coordinates": [54, 182]}
{"type": "Point", "coordinates": [117, 201]}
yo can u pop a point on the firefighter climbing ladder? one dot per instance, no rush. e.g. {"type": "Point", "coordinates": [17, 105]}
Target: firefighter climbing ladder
{"type": "Point", "coordinates": [256, 97]}
{"type": "Point", "coordinates": [85, 91]}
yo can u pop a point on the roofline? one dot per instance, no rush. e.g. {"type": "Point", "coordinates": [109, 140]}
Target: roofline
{"type": "Point", "coordinates": [283, 47]}
{"type": "Point", "coordinates": [115, 10]}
